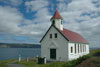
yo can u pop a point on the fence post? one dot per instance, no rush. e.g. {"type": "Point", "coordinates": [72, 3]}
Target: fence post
{"type": "Point", "coordinates": [45, 60]}
{"type": "Point", "coordinates": [37, 58]}
{"type": "Point", "coordinates": [27, 59]}
{"type": "Point", "coordinates": [19, 58]}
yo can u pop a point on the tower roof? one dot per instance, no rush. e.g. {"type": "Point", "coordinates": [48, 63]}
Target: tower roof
{"type": "Point", "coordinates": [56, 15]}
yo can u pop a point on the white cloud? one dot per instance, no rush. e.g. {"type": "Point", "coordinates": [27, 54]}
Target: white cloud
{"type": "Point", "coordinates": [83, 24]}
{"type": "Point", "coordinates": [12, 22]}
{"type": "Point", "coordinates": [12, 2]}
{"type": "Point", "coordinates": [36, 5]}
{"type": "Point", "coordinates": [81, 5]}
{"type": "Point", "coordinates": [10, 18]}
{"type": "Point", "coordinates": [42, 17]}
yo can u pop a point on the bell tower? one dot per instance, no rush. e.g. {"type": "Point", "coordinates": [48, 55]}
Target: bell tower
{"type": "Point", "coordinates": [57, 20]}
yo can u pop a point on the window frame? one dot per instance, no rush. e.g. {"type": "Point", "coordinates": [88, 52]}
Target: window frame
{"type": "Point", "coordinates": [53, 22]}
{"type": "Point", "coordinates": [71, 49]}
{"type": "Point", "coordinates": [55, 35]}
{"type": "Point", "coordinates": [75, 49]}
{"type": "Point", "coordinates": [50, 36]}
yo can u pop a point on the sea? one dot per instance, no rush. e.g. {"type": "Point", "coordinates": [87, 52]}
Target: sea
{"type": "Point", "coordinates": [14, 53]}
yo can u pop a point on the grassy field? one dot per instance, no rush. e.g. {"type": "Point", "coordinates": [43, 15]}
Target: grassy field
{"type": "Point", "coordinates": [85, 61]}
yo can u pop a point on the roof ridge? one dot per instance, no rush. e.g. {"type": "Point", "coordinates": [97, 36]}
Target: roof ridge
{"type": "Point", "coordinates": [72, 36]}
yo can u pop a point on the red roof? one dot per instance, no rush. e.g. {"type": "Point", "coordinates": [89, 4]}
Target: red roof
{"type": "Point", "coordinates": [72, 36]}
{"type": "Point", "coordinates": [56, 15]}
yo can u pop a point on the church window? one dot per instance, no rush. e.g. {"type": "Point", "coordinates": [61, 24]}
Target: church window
{"type": "Point", "coordinates": [53, 22]}
{"type": "Point", "coordinates": [61, 22]}
{"type": "Point", "coordinates": [85, 48]}
{"type": "Point", "coordinates": [75, 48]}
{"type": "Point", "coordinates": [50, 35]}
{"type": "Point", "coordinates": [71, 49]}
{"type": "Point", "coordinates": [78, 48]}
{"type": "Point", "coordinates": [55, 35]}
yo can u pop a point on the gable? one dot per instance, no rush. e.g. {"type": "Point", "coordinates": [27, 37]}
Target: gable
{"type": "Point", "coordinates": [46, 33]}
{"type": "Point", "coordinates": [49, 30]}
{"type": "Point", "coordinates": [68, 35]}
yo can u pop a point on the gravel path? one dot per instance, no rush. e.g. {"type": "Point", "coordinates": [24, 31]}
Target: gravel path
{"type": "Point", "coordinates": [15, 65]}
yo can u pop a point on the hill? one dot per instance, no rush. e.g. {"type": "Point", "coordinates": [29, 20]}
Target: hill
{"type": "Point", "coordinates": [18, 45]}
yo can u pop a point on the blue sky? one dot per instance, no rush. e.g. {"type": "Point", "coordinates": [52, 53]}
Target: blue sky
{"type": "Point", "coordinates": [26, 21]}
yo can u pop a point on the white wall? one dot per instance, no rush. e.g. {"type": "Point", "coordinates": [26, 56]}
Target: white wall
{"type": "Point", "coordinates": [77, 54]}
{"type": "Point", "coordinates": [59, 43]}
{"type": "Point", "coordinates": [58, 23]}
{"type": "Point", "coordinates": [62, 47]}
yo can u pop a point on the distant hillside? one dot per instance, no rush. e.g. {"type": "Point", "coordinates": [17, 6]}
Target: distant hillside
{"type": "Point", "coordinates": [17, 45]}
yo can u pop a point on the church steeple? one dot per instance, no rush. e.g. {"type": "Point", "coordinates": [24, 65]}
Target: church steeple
{"type": "Point", "coordinates": [56, 20]}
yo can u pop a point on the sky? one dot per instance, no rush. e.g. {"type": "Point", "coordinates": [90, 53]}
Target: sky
{"type": "Point", "coordinates": [26, 21]}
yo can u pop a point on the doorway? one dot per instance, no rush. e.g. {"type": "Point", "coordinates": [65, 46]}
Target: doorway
{"type": "Point", "coordinates": [52, 53]}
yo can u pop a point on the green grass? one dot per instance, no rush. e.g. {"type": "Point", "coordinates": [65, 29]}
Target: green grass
{"type": "Point", "coordinates": [94, 51]}
{"type": "Point", "coordinates": [3, 63]}
{"type": "Point", "coordinates": [72, 63]}
{"type": "Point", "coordinates": [32, 63]}
{"type": "Point", "coordinates": [75, 62]}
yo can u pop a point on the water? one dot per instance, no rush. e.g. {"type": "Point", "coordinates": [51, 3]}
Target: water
{"type": "Point", "coordinates": [13, 53]}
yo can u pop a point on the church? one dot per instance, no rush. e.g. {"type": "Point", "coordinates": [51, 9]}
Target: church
{"type": "Point", "coordinates": [61, 44]}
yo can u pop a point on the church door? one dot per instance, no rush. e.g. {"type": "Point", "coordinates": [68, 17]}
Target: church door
{"type": "Point", "coordinates": [52, 53]}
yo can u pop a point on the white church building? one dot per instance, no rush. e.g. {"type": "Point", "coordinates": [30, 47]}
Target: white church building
{"type": "Point", "coordinates": [62, 44]}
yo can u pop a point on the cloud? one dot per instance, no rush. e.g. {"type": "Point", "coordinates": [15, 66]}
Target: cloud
{"type": "Point", "coordinates": [10, 19]}
{"type": "Point", "coordinates": [12, 2]}
{"type": "Point", "coordinates": [82, 16]}
{"type": "Point", "coordinates": [13, 22]}
{"type": "Point", "coordinates": [42, 16]}
{"type": "Point", "coordinates": [36, 5]}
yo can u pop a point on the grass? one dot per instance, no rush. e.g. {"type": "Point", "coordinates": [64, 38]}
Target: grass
{"type": "Point", "coordinates": [32, 63]}
{"type": "Point", "coordinates": [83, 61]}
{"type": "Point", "coordinates": [75, 62]}
{"type": "Point", "coordinates": [3, 63]}
{"type": "Point", "coordinates": [94, 51]}
{"type": "Point", "coordinates": [71, 63]}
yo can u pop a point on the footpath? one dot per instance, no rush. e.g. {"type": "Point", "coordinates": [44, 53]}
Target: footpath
{"type": "Point", "coordinates": [12, 64]}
